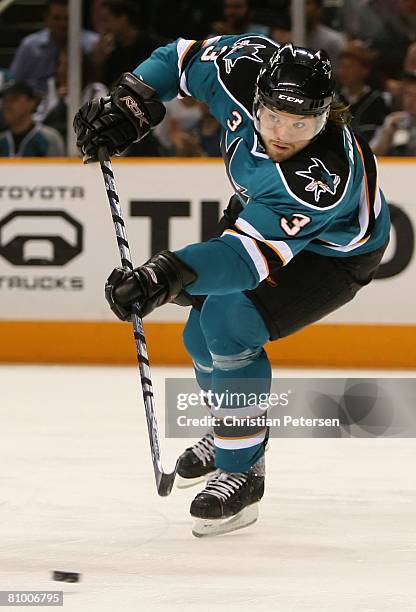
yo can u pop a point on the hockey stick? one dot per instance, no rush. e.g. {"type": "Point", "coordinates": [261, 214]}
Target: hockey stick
{"type": "Point", "coordinates": [164, 481]}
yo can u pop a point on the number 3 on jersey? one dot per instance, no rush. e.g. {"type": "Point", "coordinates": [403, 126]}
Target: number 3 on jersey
{"type": "Point", "coordinates": [235, 122]}
{"type": "Point", "coordinates": [293, 226]}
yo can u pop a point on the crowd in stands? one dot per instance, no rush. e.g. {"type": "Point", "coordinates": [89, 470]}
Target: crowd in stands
{"type": "Point", "coordinates": [372, 45]}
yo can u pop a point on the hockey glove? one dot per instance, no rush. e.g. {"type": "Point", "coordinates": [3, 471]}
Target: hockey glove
{"type": "Point", "coordinates": [159, 281]}
{"type": "Point", "coordinates": [116, 121]}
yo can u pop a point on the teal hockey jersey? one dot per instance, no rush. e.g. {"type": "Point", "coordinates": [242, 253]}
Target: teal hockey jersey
{"type": "Point", "coordinates": [324, 199]}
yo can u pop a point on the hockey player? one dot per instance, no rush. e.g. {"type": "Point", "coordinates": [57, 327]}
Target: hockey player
{"type": "Point", "coordinates": [305, 231]}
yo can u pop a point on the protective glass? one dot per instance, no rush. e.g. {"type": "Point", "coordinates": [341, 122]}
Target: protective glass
{"type": "Point", "coordinates": [286, 127]}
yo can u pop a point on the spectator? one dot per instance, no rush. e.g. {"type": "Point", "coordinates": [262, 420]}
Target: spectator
{"type": "Point", "coordinates": [319, 36]}
{"type": "Point", "coordinates": [361, 19]}
{"type": "Point", "coordinates": [393, 37]}
{"type": "Point", "coordinates": [394, 86]}
{"type": "Point", "coordinates": [4, 77]}
{"type": "Point", "coordinates": [189, 19]}
{"type": "Point", "coordinates": [367, 105]}
{"type": "Point", "coordinates": [281, 27]}
{"type": "Point", "coordinates": [397, 135]}
{"type": "Point", "coordinates": [186, 144]}
{"type": "Point", "coordinates": [410, 58]}
{"type": "Point", "coordinates": [23, 137]}
{"type": "Point", "coordinates": [208, 134]}
{"type": "Point", "coordinates": [189, 130]}
{"type": "Point", "coordinates": [124, 43]}
{"type": "Point", "coordinates": [36, 56]}
{"type": "Point", "coordinates": [237, 19]}
{"type": "Point", "coordinates": [95, 8]}
{"type": "Point", "coordinates": [53, 109]}
{"type": "Point", "coordinates": [182, 116]}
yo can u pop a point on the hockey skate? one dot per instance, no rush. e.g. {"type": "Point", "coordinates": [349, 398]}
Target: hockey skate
{"type": "Point", "coordinates": [228, 502]}
{"type": "Point", "coordinates": [196, 462]}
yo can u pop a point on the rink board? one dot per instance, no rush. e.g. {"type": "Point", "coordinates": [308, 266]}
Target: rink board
{"type": "Point", "coordinates": [57, 247]}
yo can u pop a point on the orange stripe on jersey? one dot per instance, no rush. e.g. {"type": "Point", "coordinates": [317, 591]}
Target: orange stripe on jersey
{"type": "Point", "coordinates": [364, 240]}
{"type": "Point", "coordinates": [188, 48]}
{"type": "Point", "coordinates": [271, 246]}
{"type": "Point", "coordinates": [230, 231]}
{"type": "Point", "coordinates": [366, 181]}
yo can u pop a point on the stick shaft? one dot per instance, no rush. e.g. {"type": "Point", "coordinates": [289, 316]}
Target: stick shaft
{"type": "Point", "coordinates": [164, 481]}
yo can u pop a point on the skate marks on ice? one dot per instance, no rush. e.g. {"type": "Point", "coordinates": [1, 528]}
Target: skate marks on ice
{"type": "Point", "coordinates": [336, 528]}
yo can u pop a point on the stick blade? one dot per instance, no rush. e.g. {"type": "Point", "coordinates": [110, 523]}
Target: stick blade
{"type": "Point", "coordinates": [165, 482]}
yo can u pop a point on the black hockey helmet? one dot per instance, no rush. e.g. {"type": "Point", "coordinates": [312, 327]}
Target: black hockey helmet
{"type": "Point", "coordinates": [296, 80]}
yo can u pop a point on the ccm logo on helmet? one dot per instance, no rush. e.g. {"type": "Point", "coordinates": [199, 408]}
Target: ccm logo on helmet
{"type": "Point", "coordinates": [290, 99]}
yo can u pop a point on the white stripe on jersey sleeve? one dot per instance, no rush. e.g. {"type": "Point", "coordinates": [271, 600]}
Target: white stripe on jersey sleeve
{"type": "Point", "coordinates": [246, 227]}
{"type": "Point", "coordinates": [182, 47]}
{"type": "Point", "coordinates": [377, 202]}
{"type": "Point", "coordinates": [363, 217]}
{"type": "Point", "coordinates": [184, 86]}
{"type": "Point", "coordinates": [255, 255]}
{"type": "Point", "coordinates": [282, 247]}
{"type": "Point", "coordinates": [363, 220]}
{"type": "Point", "coordinates": [211, 41]}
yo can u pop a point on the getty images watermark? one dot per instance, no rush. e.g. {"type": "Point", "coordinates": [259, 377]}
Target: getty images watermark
{"type": "Point", "coordinates": [294, 407]}
{"type": "Point", "coordinates": [230, 401]}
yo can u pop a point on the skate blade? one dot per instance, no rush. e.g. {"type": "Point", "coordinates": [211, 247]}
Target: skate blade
{"type": "Point", "coordinates": [212, 527]}
{"type": "Point", "coordinates": [186, 483]}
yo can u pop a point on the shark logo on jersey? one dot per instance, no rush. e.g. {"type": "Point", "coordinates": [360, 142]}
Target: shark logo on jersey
{"type": "Point", "coordinates": [243, 49]}
{"type": "Point", "coordinates": [321, 180]}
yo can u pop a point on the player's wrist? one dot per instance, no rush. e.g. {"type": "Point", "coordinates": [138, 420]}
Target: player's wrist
{"type": "Point", "coordinates": [133, 95]}
{"type": "Point", "coordinates": [157, 282]}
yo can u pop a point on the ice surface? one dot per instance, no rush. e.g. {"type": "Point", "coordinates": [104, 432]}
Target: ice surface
{"type": "Point", "coordinates": [337, 527]}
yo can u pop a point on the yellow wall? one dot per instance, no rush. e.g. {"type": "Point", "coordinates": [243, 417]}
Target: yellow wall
{"type": "Point", "coordinates": [361, 346]}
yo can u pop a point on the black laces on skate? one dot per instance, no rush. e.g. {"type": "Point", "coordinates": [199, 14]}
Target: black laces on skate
{"type": "Point", "coordinates": [224, 484]}
{"type": "Point", "coordinates": [204, 449]}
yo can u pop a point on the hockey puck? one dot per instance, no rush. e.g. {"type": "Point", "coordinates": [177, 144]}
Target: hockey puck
{"type": "Point", "coordinates": [60, 576]}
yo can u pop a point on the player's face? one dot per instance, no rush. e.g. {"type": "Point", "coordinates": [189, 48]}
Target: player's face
{"type": "Point", "coordinates": [284, 134]}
